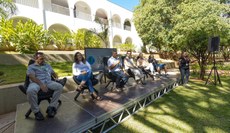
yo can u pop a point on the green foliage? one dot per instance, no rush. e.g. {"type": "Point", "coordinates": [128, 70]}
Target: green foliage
{"type": "Point", "coordinates": [30, 37]}
{"type": "Point", "coordinates": [126, 47]}
{"type": "Point", "coordinates": [7, 7]}
{"type": "Point", "coordinates": [195, 22]}
{"type": "Point", "coordinates": [152, 20]}
{"type": "Point", "coordinates": [104, 29]}
{"type": "Point", "coordinates": [24, 37]}
{"type": "Point", "coordinates": [6, 33]}
{"type": "Point", "coordinates": [84, 38]}
{"type": "Point", "coordinates": [61, 39]}
{"type": "Point", "coordinates": [182, 25]}
{"type": "Point", "coordinates": [143, 49]}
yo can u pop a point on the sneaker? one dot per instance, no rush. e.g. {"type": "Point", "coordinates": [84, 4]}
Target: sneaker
{"type": "Point", "coordinates": [39, 116]}
{"type": "Point", "coordinates": [51, 112]}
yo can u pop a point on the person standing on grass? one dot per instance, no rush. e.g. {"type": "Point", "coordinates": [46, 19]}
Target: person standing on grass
{"type": "Point", "coordinates": [184, 64]}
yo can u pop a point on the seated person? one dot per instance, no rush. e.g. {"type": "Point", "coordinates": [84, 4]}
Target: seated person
{"type": "Point", "coordinates": [115, 69]}
{"type": "Point", "coordinates": [144, 65]}
{"type": "Point", "coordinates": [40, 79]}
{"type": "Point", "coordinates": [157, 67]}
{"type": "Point", "coordinates": [130, 67]}
{"type": "Point", "coordinates": [82, 72]}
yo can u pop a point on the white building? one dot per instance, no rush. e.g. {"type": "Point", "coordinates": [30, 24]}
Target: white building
{"type": "Point", "coordinates": [71, 15]}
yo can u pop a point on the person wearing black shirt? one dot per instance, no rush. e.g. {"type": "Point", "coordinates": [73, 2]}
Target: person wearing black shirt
{"type": "Point", "coordinates": [184, 62]}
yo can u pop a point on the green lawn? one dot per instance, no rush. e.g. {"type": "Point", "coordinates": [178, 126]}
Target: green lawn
{"type": "Point", "coordinates": [194, 108]}
{"type": "Point", "coordinates": [16, 73]}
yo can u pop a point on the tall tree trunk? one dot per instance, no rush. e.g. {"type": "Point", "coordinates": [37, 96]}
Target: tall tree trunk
{"type": "Point", "coordinates": [202, 71]}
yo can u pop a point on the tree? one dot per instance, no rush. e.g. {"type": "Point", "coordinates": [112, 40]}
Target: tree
{"type": "Point", "coordinates": [195, 23]}
{"type": "Point", "coordinates": [152, 19]}
{"type": "Point", "coordinates": [103, 32]}
{"type": "Point", "coordinates": [182, 25]}
{"type": "Point", "coordinates": [7, 7]}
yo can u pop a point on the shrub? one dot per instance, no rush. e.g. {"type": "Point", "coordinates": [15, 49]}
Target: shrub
{"type": "Point", "coordinates": [125, 47]}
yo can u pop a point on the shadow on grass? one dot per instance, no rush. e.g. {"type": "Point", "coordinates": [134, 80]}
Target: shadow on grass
{"type": "Point", "coordinates": [194, 108]}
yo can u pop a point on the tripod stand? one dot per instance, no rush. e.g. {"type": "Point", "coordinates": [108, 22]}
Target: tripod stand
{"type": "Point", "coordinates": [214, 68]}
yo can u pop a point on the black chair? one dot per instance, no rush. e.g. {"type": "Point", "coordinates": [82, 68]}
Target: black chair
{"type": "Point", "coordinates": [41, 95]}
{"type": "Point", "coordinates": [95, 80]}
{"type": "Point", "coordinates": [108, 75]}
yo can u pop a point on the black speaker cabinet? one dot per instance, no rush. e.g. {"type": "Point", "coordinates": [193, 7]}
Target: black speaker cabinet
{"type": "Point", "coordinates": [213, 44]}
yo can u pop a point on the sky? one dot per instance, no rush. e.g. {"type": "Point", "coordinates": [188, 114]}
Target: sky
{"type": "Point", "coordinates": [127, 4]}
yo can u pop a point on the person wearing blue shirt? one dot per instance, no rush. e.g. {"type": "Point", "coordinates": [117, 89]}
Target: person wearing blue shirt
{"type": "Point", "coordinates": [40, 79]}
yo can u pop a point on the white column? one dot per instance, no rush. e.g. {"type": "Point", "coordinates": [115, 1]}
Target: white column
{"type": "Point", "coordinates": [41, 7]}
{"type": "Point", "coordinates": [41, 4]}
{"type": "Point", "coordinates": [110, 30]}
{"type": "Point", "coordinates": [71, 8]}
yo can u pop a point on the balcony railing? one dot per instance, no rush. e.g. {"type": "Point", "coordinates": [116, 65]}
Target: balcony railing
{"type": "Point", "coordinates": [31, 3]}
{"type": "Point", "coordinates": [60, 9]}
{"type": "Point", "coordinates": [126, 27]}
{"type": "Point", "coordinates": [82, 15]}
{"type": "Point", "coordinates": [117, 25]}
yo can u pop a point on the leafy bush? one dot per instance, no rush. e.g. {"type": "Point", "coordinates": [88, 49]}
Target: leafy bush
{"type": "Point", "coordinates": [84, 38]}
{"type": "Point", "coordinates": [125, 47]}
{"type": "Point", "coordinates": [30, 37]}
{"type": "Point", "coordinates": [61, 39]}
{"type": "Point", "coordinates": [25, 37]}
{"type": "Point", "coordinates": [6, 33]}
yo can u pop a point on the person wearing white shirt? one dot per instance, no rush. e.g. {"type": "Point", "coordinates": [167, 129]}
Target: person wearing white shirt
{"type": "Point", "coordinates": [143, 64]}
{"type": "Point", "coordinates": [115, 68]}
{"type": "Point", "coordinates": [132, 69]}
{"type": "Point", "coordinates": [82, 72]}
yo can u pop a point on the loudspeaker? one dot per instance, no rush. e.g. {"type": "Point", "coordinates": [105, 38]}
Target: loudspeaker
{"type": "Point", "coordinates": [213, 44]}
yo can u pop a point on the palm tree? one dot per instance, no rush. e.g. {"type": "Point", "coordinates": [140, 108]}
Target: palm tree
{"type": "Point", "coordinates": [7, 7]}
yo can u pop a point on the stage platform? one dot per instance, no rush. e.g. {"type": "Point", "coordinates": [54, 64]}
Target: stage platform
{"type": "Point", "coordinates": [85, 115]}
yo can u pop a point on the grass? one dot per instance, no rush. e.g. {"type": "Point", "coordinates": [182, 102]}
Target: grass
{"type": "Point", "coordinates": [194, 108]}
{"type": "Point", "coordinates": [16, 73]}
{"type": "Point", "coordinates": [209, 67]}
{"type": "Point", "coordinates": [12, 74]}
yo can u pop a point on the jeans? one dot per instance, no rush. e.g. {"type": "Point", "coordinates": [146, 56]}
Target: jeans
{"type": "Point", "coordinates": [184, 75]}
{"type": "Point", "coordinates": [32, 96]}
{"type": "Point", "coordinates": [121, 78]}
{"type": "Point", "coordinates": [87, 78]}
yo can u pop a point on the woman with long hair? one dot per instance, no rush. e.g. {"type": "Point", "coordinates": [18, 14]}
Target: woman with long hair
{"type": "Point", "coordinates": [144, 65]}
{"type": "Point", "coordinates": [82, 72]}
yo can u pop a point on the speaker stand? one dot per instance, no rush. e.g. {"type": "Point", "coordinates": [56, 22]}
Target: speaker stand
{"type": "Point", "coordinates": [216, 74]}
